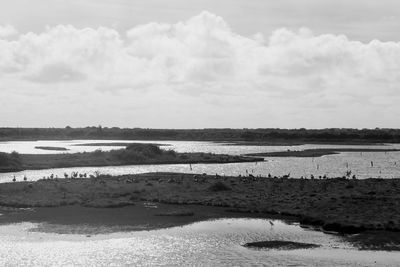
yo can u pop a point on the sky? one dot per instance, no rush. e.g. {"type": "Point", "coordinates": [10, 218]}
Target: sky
{"type": "Point", "coordinates": [200, 64]}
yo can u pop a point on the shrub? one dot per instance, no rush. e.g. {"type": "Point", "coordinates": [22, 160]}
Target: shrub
{"type": "Point", "coordinates": [10, 162]}
{"type": "Point", "coordinates": [219, 186]}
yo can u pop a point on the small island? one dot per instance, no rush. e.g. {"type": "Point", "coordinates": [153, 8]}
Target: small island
{"type": "Point", "coordinates": [133, 154]}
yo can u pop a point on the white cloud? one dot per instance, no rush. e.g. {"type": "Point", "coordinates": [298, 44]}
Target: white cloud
{"type": "Point", "coordinates": [288, 79]}
{"type": "Point", "coordinates": [7, 31]}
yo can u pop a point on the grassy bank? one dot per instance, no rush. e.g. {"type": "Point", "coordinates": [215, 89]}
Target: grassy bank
{"type": "Point", "coordinates": [347, 206]}
{"type": "Point", "coordinates": [131, 155]}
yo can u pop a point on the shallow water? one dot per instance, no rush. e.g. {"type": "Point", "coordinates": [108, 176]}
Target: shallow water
{"type": "Point", "coordinates": [207, 243]}
{"type": "Point", "coordinates": [386, 165]}
{"type": "Point", "coordinates": [28, 147]}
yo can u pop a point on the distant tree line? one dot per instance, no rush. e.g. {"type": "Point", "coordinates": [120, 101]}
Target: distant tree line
{"type": "Point", "coordinates": [254, 135]}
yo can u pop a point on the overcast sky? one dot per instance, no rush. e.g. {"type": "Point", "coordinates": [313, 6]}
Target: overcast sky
{"type": "Point", "coordinates": [200, 63]}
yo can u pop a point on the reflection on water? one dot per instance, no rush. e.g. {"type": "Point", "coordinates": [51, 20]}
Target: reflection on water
{"type": "Point", "coordinates": [386, 165]}
{"type": "Point", "coordinates": [28, 147]}
{"type": "Point", "coordinates": [208, 243]}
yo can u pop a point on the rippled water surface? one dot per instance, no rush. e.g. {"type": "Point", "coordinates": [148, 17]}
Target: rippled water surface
{"type": "Point", "coordinates": [207, 243]}
{"type": "Point", "coordinates": [385, 164]}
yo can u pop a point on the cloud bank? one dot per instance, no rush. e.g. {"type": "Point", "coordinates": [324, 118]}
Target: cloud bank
{"type": "Point", "coordinates": [196, 73]}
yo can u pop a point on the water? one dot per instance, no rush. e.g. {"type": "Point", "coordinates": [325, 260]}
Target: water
{"type": "Point", "coordinates": [386, 165]}
{"type": "Point", "coordinates": [207, 243]}
{"type": "Point", "coordinates": [28, 147]}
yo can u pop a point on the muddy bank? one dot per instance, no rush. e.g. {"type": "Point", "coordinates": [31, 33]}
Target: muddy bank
{"type": "Point", "coordinates": [340, 205]}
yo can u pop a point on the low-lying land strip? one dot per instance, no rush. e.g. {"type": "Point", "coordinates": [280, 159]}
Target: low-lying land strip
{"type": "Point", "coordinates": [131, 155]}
{"type": "Point", "coordinates": [125, 144]}
{"type": "Point", "coordinates": [342, 205]}
{"type": "Point", "coordinates": [267, 136]}
{"type": "Point", "coordinates": [55, 148]}
{"type": "Point", "coordinates": [280, 245]}
{"type": "Point", "coordinates": [319, 152]}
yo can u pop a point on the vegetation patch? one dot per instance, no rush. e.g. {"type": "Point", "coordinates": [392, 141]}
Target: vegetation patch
{"type": "Point", "coordinates": [10, 162]}
{"type": "Point", "coordinates": [55, 148]}
{"type": "Point", "coordinates": [219, 186]}
{"type": "Point", "coordinates": [278, 244]}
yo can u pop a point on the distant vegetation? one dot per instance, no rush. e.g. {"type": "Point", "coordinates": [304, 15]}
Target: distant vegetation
{"type": "Point", "coordinates": [114, 144]}
{"type": "Point", "coordinates": [131, 155]}
{"type": "Point", "coordinates": [10, 162]}
{"type": "Point", "coordinates": [269, 136]}
{"type": "Point", "coordinates": [51, 148]}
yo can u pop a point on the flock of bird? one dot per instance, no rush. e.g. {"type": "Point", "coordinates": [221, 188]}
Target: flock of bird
{"type": "Point", "coordinates": [200, 178]}
{"type": "Point", "coordinates": [73, 175]}
{"type": "Point", "coordinates": [197, 178]}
